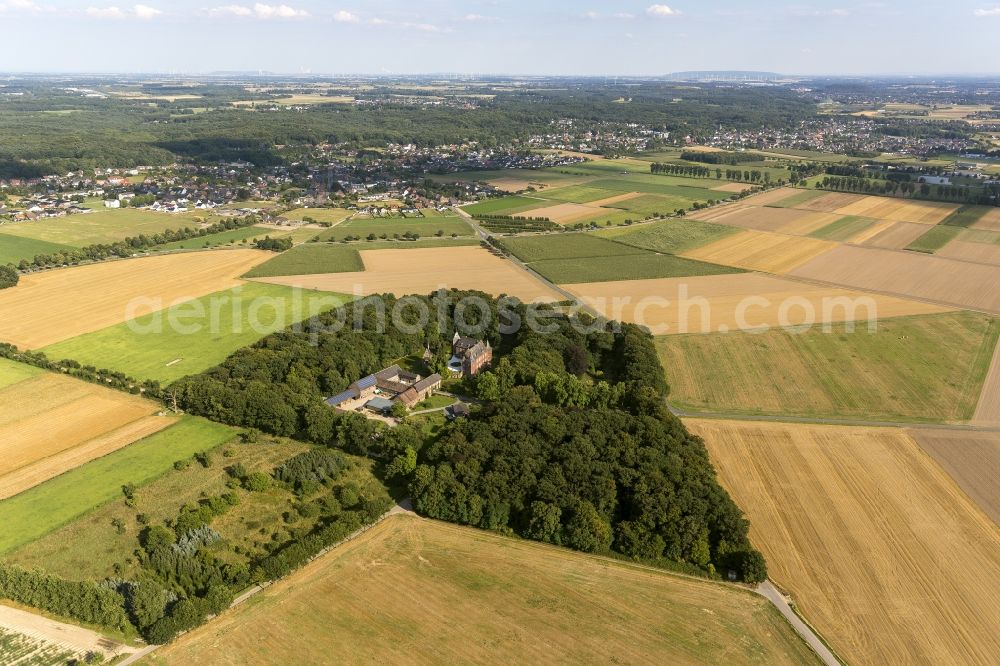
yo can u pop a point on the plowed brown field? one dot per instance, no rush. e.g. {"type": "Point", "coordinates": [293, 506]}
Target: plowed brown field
{"type": "Point", "coordinates": [881, 550]}
{"type": "Point", "coordinates": [897, 236]}
{"type": "Point", "coordinates": [972, 459]}
{"type": "Point", "coordinates": [909, 275]}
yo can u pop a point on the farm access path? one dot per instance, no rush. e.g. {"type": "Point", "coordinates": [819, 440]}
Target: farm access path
{"type": "Point", "coordinates": [67, 636]}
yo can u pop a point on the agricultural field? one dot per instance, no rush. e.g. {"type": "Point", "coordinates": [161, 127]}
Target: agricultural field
{"type": "Point", "coordinates": [232, 237]}
{"type": "Point", "coordinates": [504, 206]}
{"type": "Point", "coordinates": [328, 215]}
{"type": "Point", "coordinates": [89, 546]}
{"type": "Point", "coordinates": [25, 650]}
{"type": "Point", "coordinates": [309, 259]}
{"type": "Point", "coordinates": [989, 221]}
{"type": "Point", "coordinates": [900, 210]}
{"type": "Point", "coordinates": [51, 305]}
{"type": "Point", "coordinates": [908, 275]}
{"type": "Point", "coordinates": [988, 409]}
{"type": "Point", "coordinates": [934, 239]}
{"type": "Point", "coordinates": [389, 228]}
{"type": "Point", "coordinates": [413, 590]}
{"type": "Point", "coordinates": [575, 258]}
{"type": "Point", "coordinates": [844, 229]}
{"type": "Point", "coordinates": [983, 253]}
{"type": "Point", "coordinates": [721, 303]}
{"type": "Point", "coordinates": [15, 248]}
{"type": "Point", "coordinates": [761, 251]}
{"type": "Point", "coordinates": [928, 368]}
{"type": "Point", "coordinates": [194, 335]}
{"type": "Point", "coordinates": [48, 506]}
{"type": "Point", "coordinates": [424, 270]}
{"type": "Point", "coordinates": [671, 236]}
{"type": "Point", "coordinates": [51, 423]}
{"type": "Point", "coordinates": [898, 236]}
{"type": "Point", "coordinates": [822, 499]}
{"type": "Point", "coordinates": [104, 226]}
{"type": "Point", "coordinates": [972, 459]}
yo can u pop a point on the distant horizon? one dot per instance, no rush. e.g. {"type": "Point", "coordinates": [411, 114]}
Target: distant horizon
{"type": "Point", "coordinates": [558, 38]}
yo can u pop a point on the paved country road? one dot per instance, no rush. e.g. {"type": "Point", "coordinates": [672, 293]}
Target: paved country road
{"type": "Point", "coordinates": [766, 589]}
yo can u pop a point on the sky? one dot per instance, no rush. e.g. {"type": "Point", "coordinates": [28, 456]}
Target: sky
{"type": "Point", "coordinates": [542, 37]}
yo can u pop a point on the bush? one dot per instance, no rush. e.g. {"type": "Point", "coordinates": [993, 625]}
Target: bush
{"type": "Point", "coordinates": [8, 277]}
{"type": "Point", "coordinates": [257, 482]}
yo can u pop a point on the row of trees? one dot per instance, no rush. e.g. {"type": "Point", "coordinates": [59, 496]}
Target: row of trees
{"type": "Point", "coordinates": [986, 195]}
{"type": "Point", "coordinates": [714, 157]}
{"type": "Point", "coordinates": [8, 277]}
{"type": "Point", "coordinates": [693, 171]}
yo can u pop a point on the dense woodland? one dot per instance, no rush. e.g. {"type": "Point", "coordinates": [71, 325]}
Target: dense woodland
{"type": "Point", "coordinates": [47, 130]}
{"type": "Point", "coordinates": [572, 443]}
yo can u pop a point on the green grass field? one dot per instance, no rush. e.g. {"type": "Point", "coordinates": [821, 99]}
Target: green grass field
{"type": "Point", "coordinates": [654, 205]}
{"type": "Point", "coordinates": [672, 236]}
{"type": "Point", "coordinates": [46, 507]}
{"type": "Point", "coordinates": [935, 239]}
{"type": "Point", "coordinates": [207, 330]}
{"type": "Point", "coordinates": [844, 228]}
{"type": "Point", "coordinates": [14, 248]}
{"type": "Point", "coordinates": [397, 227]}
{"type": "Point", "coordinates": [926, 368]}
{"type": "Point", "coordinates": [310, 259]}
{"type": "Point", "coordinates": [576, 194]}
{"type": "Point", "coordinates": [89, 547]}
{"type": "Point", "coordinates": [331, 215]}
{"type": "Point", "coordinates": [12, 372]}
{"type": "Point", "coordinates": [105, 226]}
{"type": "Point", "coordinates": [231, 237]}
{"type": "Point", "coordinates": [503, 206]}
{"type": "Point", "coordinates": [565, 246]}
{"type": "Point", "coordinates": [965, 216]}
{"type": "Point", "coordinates": [625, 267]}
{"type": "Point", "coordinates": [668, 187]}
{"type": "Point", "coordinates": [576, 258]}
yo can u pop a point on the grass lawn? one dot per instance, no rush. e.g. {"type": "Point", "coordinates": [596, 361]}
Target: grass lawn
{"type": "Point", "coordinates": [844, 228]}
{"type": "Point", "coordinates": [935, 239]}
{"type": "Point", "coordinates": [420, 591]}
{"type": "Point", "coordinates": [397, 226]}
{"type": "Point", "coordinates": [331, 215]}
{"type": "Point", "coordinates": [309, 259]}
{"type": "Point", "coordinates": [926, 368]}
{"type": "Point", "coordinates": [503, 206]}
{"type": "Point", "coordinates": [46, 507]}
{"type": "Point", "coordinates": [14, 248]}
{"type": "Point", "coordinates": [12, 372]}
{"type": "Point", "coordinates": [207, 331]}
{"type": "Point", "coordinates": [672, 236]}
{"type": "Point", "coordinates": [231, 237]}
{"type": "Point", "coordinates": [104, 226]}
{"type": "Point", "coordinates": [625, 267]}
{"type": "Point", "coordinates": [435, 402]}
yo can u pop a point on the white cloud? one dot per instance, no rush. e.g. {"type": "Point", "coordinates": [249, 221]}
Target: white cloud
{"type": "Point", "coordinates": [661, 10]}
{"type": "Point", "coordinates": [477, 18]}
{"type": "Point", "coordinates": [258, 10]}
{"type": "Point", "coordinates": [24, 7]}
{"type": "Point", "coordinates": [145, 12]}
{"type": "Point", "coordinates": [344, 16]}
{"type": "Point", "coordinates": [991, 11]}
{"type": "Point", "coordinates": [141, 12]}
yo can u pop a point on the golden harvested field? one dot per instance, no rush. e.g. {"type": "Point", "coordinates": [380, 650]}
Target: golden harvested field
{"type": "Point", "coordinates": [733, 302]}
{"type": "Point", "coordinates": [731, 187]}
{"type": "Point", "coordinates": [909, 275]}
{"type": "Point", "coordinates": [761, 251]}
{"type": "Point", "coordinates": [566, 213]}
{"type": "Point", "coordinates": [989, 221]}
{"type": "Point", "coordinates": [899, 210]}
{"type": "Point", "coordinates": [51, 423]}
{"type": "Point", "coordinates": [829, 203]}
{"type": "Point", "coordinates": [718, 213]}
{"type": "Point", "coordinates": [423, 270]}
{"type": "Point", "coordinates": [57, 305]}
{"type": "Point", "coordinates": [615, 199]}
{"type": "Point", "coordinates": [973, 461]}
{"type": "Point", "coordinates": [784, 220]}
{"type": "Point", "coordinates": [988, 409]}
{"type": "Point", "coordinates": [772, 196]}
{"type": "Point", "coordinates": [882, 552]}
{"type": "Point", "coordinates": [871, 232]}
{"type": "Point", "coordinates": [982, 253]}
{"type": "Point", "coordinates": [897, 236]}
{"type": "Point", "coordinates": [413, 591]}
